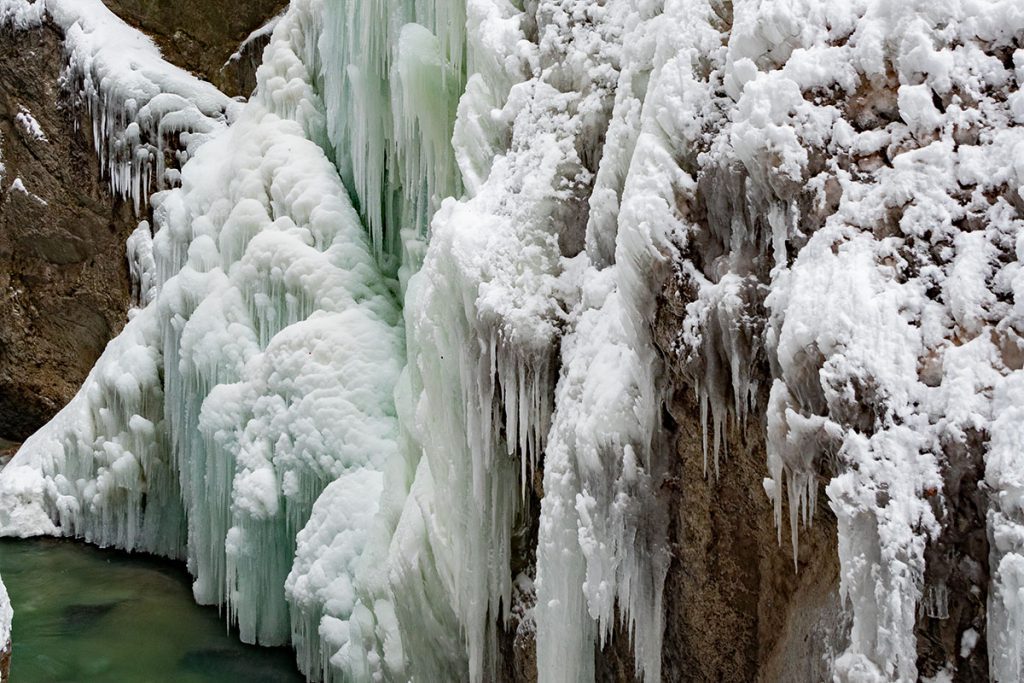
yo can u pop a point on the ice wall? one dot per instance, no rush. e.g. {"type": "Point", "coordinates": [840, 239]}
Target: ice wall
{"type": "Point", "coordinates": [873, 227]}
{"type": "Point", "coordinates": [392, 73]}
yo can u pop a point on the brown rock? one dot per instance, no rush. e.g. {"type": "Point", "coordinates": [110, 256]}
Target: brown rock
{"type": "Point", "coordinates": [202, 35]}
{"type": "Point", "coordinates": [64, 286]}
{"type": "Point", "coordinates": [736, 608]}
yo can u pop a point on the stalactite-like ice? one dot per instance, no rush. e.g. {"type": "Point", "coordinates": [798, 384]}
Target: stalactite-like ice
{"type": "Point", "coordinates": [261, 370]}
{"type": "Point", "coordinates": [834, 188]}
{"type": "Point", "coordinates": [602, 544]}
{"type": "Point", "coordinates": [142, 110]}
{"type": "Point", "coordinates": [862, 141]}
{"type": "Point", "coordinates": [392, 73]}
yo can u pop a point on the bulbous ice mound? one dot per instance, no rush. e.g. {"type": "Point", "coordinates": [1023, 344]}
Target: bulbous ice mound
{"type": "Point", "coordinates": [6, 617]}
{"type": "Point", "coordinates": [261, 368]}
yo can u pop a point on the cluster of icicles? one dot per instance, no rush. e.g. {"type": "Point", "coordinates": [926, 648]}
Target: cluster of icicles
{"type": "Point", "coordinates": [408, 289]}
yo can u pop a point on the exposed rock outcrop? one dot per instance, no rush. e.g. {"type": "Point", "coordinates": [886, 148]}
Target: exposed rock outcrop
{"type": "Point", "coordinates": [206, 37]}
{"type": "Point", "coordinates": [64, 287]}
{"type": "Point", "coordinates": [736, 607]}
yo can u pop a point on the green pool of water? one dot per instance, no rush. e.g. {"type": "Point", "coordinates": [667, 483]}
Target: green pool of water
{"type": "Point", "coordinates": [84, 615]}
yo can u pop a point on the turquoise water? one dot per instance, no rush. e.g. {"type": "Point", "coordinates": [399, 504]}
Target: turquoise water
{"type": "Point", "coordinates": [84, 615]}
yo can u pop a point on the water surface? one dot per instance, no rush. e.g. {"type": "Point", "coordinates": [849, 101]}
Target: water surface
{"type": "Point", "coordinates": [85, 615]}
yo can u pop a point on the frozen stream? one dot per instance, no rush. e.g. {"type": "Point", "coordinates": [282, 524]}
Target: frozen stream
{"type": "Point", "coordinates": [87, 615]}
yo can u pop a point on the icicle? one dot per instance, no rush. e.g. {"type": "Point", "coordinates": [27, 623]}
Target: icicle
{"type": "Point", "coordinates": [261, 368]}
{"type": "Point", "coordinates": [392, 76]}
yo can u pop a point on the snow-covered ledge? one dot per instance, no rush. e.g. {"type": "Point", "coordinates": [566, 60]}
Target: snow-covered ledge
{"type": "Point", "coordinates": [6, 615]}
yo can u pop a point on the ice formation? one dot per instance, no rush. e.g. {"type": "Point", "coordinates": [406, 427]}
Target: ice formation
{"type": "Point", "coordinates": [873, 148]}
{"type": "Point", "coordinates": [392, 73]}
{"type": "Point", "coordinates": [6, 616]}
{"type": "Point", "coordinates": [393, 365]}
{"type": "Point", "coordinates": [260, 370]}
{"type": "Point", "coordinates": [147, 117]}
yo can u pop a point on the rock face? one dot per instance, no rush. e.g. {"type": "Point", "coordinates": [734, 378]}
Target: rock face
{"type": "Point", "coordinates": [733, 598]}
{"type": "Point", "coordinates": [64, 286]}
{"type": "Point", "coordinates": [737, 607]}
{"type": "Point", "coordinates": [203, 36]}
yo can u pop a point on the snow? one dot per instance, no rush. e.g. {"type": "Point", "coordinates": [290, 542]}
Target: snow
{"type": "Point", "coordinates": [6, 616]}
{"type": "Point", "coordinates": [22, 512]}
{"type": "Point", "coordinates": [264, 31]}
{"type": "Point", "coordinates": [21, 14]}
{"type": "Point", "coordinates": [29, 124]}
{"type": "Point", "coordinates": [19, 186]}
{"type": "Point", "coordinates": [604, 461]}
{"type": "Point", "coordinates": [968, 641]}
{"type": "Point", "coordinates": [887, 339]}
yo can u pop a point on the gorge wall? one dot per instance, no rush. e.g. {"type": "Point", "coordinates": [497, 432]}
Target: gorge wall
{"type": "Point", "coordinates": [64, 273]}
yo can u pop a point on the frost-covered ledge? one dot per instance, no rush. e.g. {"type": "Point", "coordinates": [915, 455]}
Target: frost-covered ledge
{"type": "Point", "coordinates": [147, 116]}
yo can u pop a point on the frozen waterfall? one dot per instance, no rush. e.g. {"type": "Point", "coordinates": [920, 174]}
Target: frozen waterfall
{"type": "Point", "coordinates": [393, 389]}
